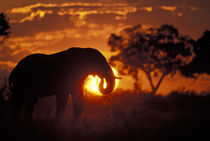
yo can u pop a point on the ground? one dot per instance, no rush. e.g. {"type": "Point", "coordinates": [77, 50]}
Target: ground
{"type": "Point", "coordinates": [119, 116]}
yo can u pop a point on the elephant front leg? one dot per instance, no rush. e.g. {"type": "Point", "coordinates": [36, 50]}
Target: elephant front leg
{"type": "Point", "coordinates": [61, 105]}
{"type": "Point", "coordinates": [77, 99]}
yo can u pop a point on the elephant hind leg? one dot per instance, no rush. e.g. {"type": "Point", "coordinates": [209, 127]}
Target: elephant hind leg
{"type": "Point", "coordinates": [29, 110]}
{"type": "Point", "coordinates": [16, 108]}
{"type": "Point", "coordinates": [61, 104]}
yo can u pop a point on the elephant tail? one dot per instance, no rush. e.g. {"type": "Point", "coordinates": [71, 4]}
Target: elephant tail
{"type": "Point", "coordinates": [11, 80]}
{"type": "Point", "coordinates": [13, 77]}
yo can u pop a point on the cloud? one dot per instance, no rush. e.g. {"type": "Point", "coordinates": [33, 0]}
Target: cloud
{"type": "Point", "coordinates": [193, 8]}
{"type": "Point", "coordinates": [49, 22]}
{"type": "Point", "coordinates": [169, 8]}
{"type": "Point", "coordinates": [180, 14]}
{"type": "Point", "coordinates": [82, 10]}
{"type": "Point", "coordinates": [6, 65]}
{"type": "Point", "coordinates": [29, 8]}
{"type": "Point", "coordinates": [39, 13]}
{"type": "Point", "coordinates": [41, 17]}
{"type": "Point", "coordinates": [148, 9]}
{"type": "Point", "coordinates": [44, 25]}
{"type": "Point", "coordinates": [8, 58]}
{"type": "Point", "coordinates": [52, 27]}
{"type": "Point", "coordinates": [48, 41]}
{"type": "Point", "coordinates": [24, 10]}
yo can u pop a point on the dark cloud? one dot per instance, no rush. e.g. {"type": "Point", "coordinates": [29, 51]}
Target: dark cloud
{"type": "Point", "coordinates": [8, 58]}
{"type": "Point", "coordinates": [158, 15]}
{"type": "Point", "coordinates": [49, 22]}
{"type": "Point", "coordinates": [198, 3]}
{"type": "Point", "coordinates": [103, 19]}
{"type": "Point", "coordinates": [12, 54]}
{"type": "Point", "coordinates": [46, 17]}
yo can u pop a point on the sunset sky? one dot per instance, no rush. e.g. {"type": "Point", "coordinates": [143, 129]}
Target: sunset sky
{"type": "Point", "coordinates": [54, 25]}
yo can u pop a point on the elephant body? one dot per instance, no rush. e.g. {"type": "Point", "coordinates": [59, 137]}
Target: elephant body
{"type": "Point", "coordinates": [63, 73]}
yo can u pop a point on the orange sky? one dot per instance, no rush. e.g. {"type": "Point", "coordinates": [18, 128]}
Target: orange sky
{"type": "Point", "coordinates": [51, 25]}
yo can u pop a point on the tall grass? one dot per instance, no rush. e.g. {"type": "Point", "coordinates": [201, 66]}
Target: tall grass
{"type": "Point", "coordinates": [122, 115]}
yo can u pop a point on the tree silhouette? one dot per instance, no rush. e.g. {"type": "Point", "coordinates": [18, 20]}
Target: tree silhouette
{"type": "Point", "coordinates": [4, 27]}
{"type": "Point", "coordinates": [155, 51]}
{"type": "Point", "coordinates": [200, 63]}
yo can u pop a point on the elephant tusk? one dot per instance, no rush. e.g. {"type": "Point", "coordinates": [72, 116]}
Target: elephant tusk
{"type": "Point", "coordinates": [116, 77]}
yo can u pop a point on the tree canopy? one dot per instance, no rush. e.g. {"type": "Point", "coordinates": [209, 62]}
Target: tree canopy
{"type": "Point", "coordinates": [157, 51]}
{"type": "Point", "coordinates": [4, 27]}
{"type": "Point", "coordinates": [200, 63]}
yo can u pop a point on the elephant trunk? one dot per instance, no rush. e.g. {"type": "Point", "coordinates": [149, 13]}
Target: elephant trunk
{"type": "Point", "coordinates": [110, 81]}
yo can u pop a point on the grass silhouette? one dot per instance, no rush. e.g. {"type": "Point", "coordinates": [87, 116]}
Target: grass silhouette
{"type": "Point", "coordinates": [123, 115]}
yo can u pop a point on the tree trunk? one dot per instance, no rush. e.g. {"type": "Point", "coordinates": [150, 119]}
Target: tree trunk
{"type": "Point", "coordinates": [155, 88]}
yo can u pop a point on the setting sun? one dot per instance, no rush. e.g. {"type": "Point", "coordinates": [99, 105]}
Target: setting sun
{"type": "Point", "coordinates": [92, 83]}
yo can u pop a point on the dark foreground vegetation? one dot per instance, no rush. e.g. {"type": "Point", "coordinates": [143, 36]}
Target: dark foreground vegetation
{"type": "Point", "coordinates": [121, 116]}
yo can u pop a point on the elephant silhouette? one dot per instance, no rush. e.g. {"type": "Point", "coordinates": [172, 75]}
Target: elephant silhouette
{"type": "Point", "coordinates": [60, 74]}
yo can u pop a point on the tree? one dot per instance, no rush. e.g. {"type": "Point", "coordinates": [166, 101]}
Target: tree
{"type": "Point", "coordinates": [200, 63]}
{"type": "Point", "coordinates": [155, 51]}
{"type": "Point", "coordinates": [4, 28]}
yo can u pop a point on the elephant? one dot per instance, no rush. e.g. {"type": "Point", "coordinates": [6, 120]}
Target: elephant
{"type": "Point", "coordinates": [61, 74]}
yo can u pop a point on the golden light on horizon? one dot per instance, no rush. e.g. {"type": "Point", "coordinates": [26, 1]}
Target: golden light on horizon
{"type": "Point", "coordinates": [92, 83]}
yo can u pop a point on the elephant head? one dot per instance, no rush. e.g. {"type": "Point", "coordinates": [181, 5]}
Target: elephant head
{"type": "Point", "coordinates": [110, 81]}
{"type": "Point", "coordinates": [101, 68]}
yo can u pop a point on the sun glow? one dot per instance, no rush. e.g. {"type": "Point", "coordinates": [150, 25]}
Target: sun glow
{"type": "Point", "coordinates": [92, 83]}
